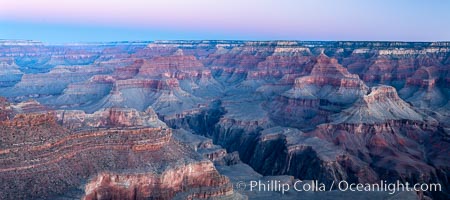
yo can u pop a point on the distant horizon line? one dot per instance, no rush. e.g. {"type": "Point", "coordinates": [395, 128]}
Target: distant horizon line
{"type": "Point", "coordinates": [210, 40]}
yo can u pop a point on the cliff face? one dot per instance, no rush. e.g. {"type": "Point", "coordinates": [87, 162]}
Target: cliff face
{"type": "Point", "coordinates": [356, 111]}
{"type": "Point", "coordinates": [380, 105]}
{"type": "Point", "coordinates": [161, 65]}
{"type": "Point", "coordinates": [182, 182]}
{"type": "Point", "coordinates": [111, 154]}
{"type": "Point", "coordinates": [328, 89]}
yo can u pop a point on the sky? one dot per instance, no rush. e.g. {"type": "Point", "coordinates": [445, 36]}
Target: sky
{"type": "Point", "coordinates": [60, 21]}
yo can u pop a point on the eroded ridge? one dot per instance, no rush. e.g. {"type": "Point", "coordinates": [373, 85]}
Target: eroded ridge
{"type": "Point", "coordinates": [98, 161]}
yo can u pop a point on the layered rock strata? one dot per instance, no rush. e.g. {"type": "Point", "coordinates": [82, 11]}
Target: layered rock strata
{"type": "Point", "coordinates": [313, 110]}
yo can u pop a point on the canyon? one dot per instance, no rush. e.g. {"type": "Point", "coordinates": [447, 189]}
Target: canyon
{"type": "Point", "coordinates": [190, 119]}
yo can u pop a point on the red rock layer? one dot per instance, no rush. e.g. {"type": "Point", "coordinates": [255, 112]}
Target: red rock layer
{"type": "Point", "coordinates": [129, 71]}
{"type": "Point", "coordinates": [30, 119]}
{"type": "Point", "coordinates": [185, 180]}
{"type": "Point", "coordinates": [327, 71]}
{"type": "Point", "coordinates": [127, 160]}
{"type": "Point", "coordinates": [159, 65]}
{"type": "Point", "coordinates": [130, 163]}
{"type": "Point", "coordinates": [425, 77]}
{"type": "Point", "coordinates": [5, 109]}
{"type": "Point", "coordinates": [381, 144]}
{"type": "Point", "coordinates": [153, 84]}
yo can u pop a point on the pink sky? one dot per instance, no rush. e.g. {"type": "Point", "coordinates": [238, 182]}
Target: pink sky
{"type": "Point", "coordinates": [290, 19]}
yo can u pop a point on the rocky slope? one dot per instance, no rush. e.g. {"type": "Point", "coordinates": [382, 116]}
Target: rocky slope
{"type": "Point", "coordinates": [111, 154]}
{"type": "Point", "coordinates": [327, 89]}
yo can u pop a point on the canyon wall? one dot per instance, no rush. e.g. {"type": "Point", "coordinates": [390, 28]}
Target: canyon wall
{"type": "Point", "coordinates": [329, 111]}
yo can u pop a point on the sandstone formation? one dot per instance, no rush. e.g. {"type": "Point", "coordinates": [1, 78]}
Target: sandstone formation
{"type": "Point", "coordinates": [111, 154]}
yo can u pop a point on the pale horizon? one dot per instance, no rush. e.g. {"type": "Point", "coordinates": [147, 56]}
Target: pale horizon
{"type": "Point", "coordinates": [138, 20]}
